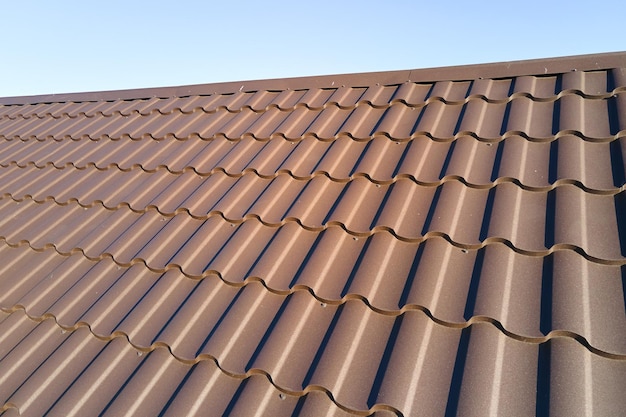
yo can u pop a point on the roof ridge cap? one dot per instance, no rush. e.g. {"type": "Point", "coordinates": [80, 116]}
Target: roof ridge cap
{"type": "Point", "coordinates": [539, 66]}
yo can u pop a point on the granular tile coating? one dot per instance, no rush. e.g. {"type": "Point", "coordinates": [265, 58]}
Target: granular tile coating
{"type": "Point", "coordinates": [430, 242]}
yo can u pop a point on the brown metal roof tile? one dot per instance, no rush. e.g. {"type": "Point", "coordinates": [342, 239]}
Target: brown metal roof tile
{"type": "Point", "coordinates": [348, 361]}
{"type": "Point", "coordinates": [533, 119]}
{"type": "Point", "coordinates": [590, 382]}
{"type": "Point", "coordinates": [412, 93]}
{"type": "Point", "coordinates": [482, 119]}
{"type": "Point", "coordinates": [19, 259]}
{"type": "Point", "coordinates": [206, 389]}
{"type": "Point", "coordinates": [499, 376]}
{"type": "Point", "coordinates": [495, 90]}
{"type": "Point", "coordinates": [92, 390]}
{"type": "Point", "coordinates": [41, 390]}
{"type": "Point", "coordinates": [587, 82]}
{"type": "Point", "coordinates": [587, 116]}
{"type": "Point", "coordinates": [441, 280]}
{"type": "Point", "coordinates": [421, 365]}
{"type": "Point", "coordinates": [405, 243]}
{"type": "Point", "coordinates": [30, 345]}
{"type": "Point", "coordinates": [450, 90]}
{"type": "Point", "coordinates": [150, 386]}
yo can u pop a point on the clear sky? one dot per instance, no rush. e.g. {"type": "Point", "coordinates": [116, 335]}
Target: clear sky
{"type": "Point", "coordinates": [69, 46]}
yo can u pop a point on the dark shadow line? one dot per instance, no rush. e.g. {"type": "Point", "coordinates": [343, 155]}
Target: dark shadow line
{"type": "Point", "coordinates": [452, 407]}
{"type": "Point", "coordinates": [299, 405]}
{"type": "Point", "coordinates": [264, 251]}
{"type": "Point", "coordinates": [361, 156]}
{"type": "Point", "coordinates": [547, 278]}
{"type": "Point", "coordinates": [382, 206]}
{"type": "Point", "coordinates": [178, 309]}
{"type": "Point", "coordinates": [412, 274]}
{"type": "Point", "coordinates": [623, 271]}
{"type": "Point", "coordinates": [495, 171]}
{"type": "Point", "coordinates": [384, 362]}
{"type": "Point", "coordinates": [553, 162]}
{"type": "Point", "coordinates": [550, 218]}
{"type": "Point", "coordinates": [145, 294]}
{"type": "Point", "coordinates": [380, 121]}
{"type": "Point", "coordinates": [423, 108]}
{"type": "Point", "coordinates": [69, 386]}
{"type": "Point", "coordinates": [484, 226]}
{"type": "Point", "coordinates": [223, 246]}
{"type": "Point", "coordinates": [613, 112]}
{"type": "Point", "coordinates": [177, 391]}
{"type": "Point", "coordinates": [326, 152]}
{"type": "Point", "coordinates": [617, 163]}
{"type": "Point", "coordinates": [233, 401]}
{"type": "Point", "coordinates": [556, 109]}
{"type": "Point", "coordinates": [356, 266]}
{"type": "Point", "coordinates": [431, 210]}
{"type": "Point", "coordinates": [298, 197]}
{"type": "Point", "coordinates": [459, 120]}
{"type": "Point", "coordinates": [610, 80]}
{"type": "Point", "coordinates": [322, 347]}
{"type": "Point", "coordinates": [446, 162]}
{"type": "Point", "coordinates": [126, 382]}
{"type": "Point", "coordinates": [511, 86]}
{"type": "Point", "coordinates": [332, 210]}
{"type": "Point", "coordinates": [180, 248]}
{"type": "Point", "coordinates": [307, 258]}
{"type": "Point", "coordinates": [219, 322]}
{"type": "Point", "coordinates": [505, 118]}
{"type": "Point", "coordinates": [472, 292]}
{"type": "Point", "coordinates": [268, 332]}
{"type": "Point", "coordinates": [620, 213]}
{"type": "Point", "coordinates": [405, 152]}
{"type": "Point", "coordinates": [542, 402]}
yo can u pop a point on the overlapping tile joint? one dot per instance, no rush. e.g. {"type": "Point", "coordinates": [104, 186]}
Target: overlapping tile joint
{"type": "Point", "coordinates": [417, 247]}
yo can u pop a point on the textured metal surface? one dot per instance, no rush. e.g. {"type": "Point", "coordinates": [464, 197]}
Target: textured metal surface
{"type": "Point", "coordinates": [381, 246]}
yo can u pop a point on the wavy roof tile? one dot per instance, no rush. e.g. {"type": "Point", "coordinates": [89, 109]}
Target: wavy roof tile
{"type": "Point", "coordinates": [431, 242]}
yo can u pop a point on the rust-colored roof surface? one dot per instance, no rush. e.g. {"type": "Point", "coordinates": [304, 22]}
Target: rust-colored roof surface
{"type": "Point", "coordinates": [430, 242]}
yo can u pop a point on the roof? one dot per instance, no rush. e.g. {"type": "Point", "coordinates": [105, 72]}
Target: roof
{"type": "Point", "coordinates": [429, 242]}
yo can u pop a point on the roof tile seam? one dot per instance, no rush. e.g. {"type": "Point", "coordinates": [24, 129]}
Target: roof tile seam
{"type": "Point", "coordinates": [298, 138]}
{"type": "Point", "coordinates": [260, 110]}
{"type": "Point", "coordinates": [429, 235]}
{"type": "Point", "coordinates": [474, 320]}
{"type": "Point", "coordinates": [286, 172]}
{"type": "Point", "coordinates": [325, 226]}
{"type": "Point", "coordinates": [303, 288]}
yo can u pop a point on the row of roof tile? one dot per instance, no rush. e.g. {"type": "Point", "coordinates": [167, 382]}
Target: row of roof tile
{"type": "Point", "coordinates": [592, 84]}
{"type": "Point", "coordinates": [303, 353]}
{"type": "Point", "coordinates": [452, 287]}
{"type": "Point", "coordinates": [539, 120]}
{"type": "Point", "coordinates": [468, 217]}
{"type": "Point", "coordinates": [595, 167]}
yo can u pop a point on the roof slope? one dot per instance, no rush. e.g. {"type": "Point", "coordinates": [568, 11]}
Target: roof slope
{"type": "Point", "coordinates": [430, 242]}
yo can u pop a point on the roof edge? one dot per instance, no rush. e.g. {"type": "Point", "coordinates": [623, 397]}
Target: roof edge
{"type": "Point", "coordinates": [452, 73]}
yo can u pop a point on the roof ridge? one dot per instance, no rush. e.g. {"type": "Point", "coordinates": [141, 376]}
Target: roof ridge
{"type": "Point", "coordinates": [449, 73]}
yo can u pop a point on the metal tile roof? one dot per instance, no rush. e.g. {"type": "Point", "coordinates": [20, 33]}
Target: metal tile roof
{"type": "Point", "coordinates": [430, 242]}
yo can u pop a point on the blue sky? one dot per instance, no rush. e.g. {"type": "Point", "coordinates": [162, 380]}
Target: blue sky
{"type": "Point", "coordinates": [69, 46]}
